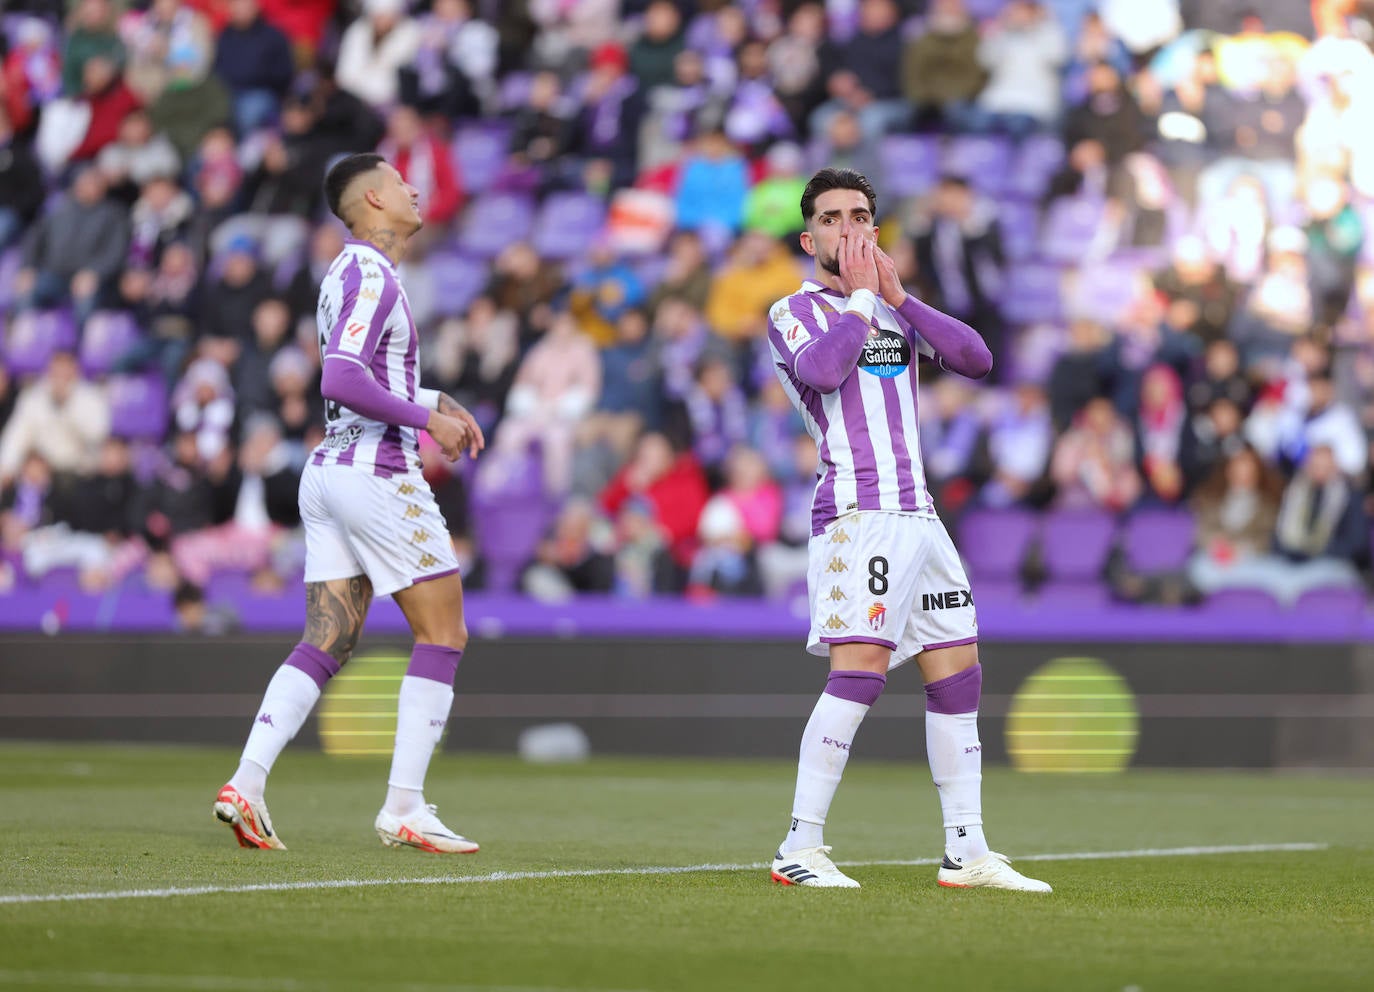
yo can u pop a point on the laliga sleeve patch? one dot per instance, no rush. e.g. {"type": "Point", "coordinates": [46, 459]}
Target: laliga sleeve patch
{"type": "Point", "coordinates": [353, 335]}
{"type": "Point", "coordinates": [794, 335]}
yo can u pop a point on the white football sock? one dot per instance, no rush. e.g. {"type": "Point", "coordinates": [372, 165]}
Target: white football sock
{"type": "Point", "coordinates": [421, 714]}
{"type": "Point", "coordinates": [286, 704]}
{"type": "Point", "coordinates": [956, 765]}
{"type": "Point", "coordinates": [824, 753]}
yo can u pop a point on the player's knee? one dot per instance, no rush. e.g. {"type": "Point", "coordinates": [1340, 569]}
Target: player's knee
{"type": "Point", "coordinates": [448, 635]}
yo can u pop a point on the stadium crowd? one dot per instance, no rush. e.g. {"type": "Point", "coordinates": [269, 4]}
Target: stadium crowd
{"type": "Point", "coordinates": [1155, 213]}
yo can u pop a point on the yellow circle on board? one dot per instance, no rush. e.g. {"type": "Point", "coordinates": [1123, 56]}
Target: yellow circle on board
{"type": "Point", "coordinates": [358, 711]}
{"type": "Point", "coordinates": [1073, 715]}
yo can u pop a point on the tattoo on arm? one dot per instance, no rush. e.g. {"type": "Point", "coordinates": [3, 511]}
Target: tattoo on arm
{"type": "Point", "coordinates": [334, 614]}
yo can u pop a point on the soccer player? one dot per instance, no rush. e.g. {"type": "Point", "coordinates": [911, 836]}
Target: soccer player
{"type": "Point", "coordinates": [371, 522]}
{"type": "Point", "coordinates": [884, 579]}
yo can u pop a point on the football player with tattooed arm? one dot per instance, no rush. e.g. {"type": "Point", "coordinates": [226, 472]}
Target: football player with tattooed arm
{"type": "Point", "coordinates": [371, 522]}
{"type": "Point", "coordinates": [884, 579]}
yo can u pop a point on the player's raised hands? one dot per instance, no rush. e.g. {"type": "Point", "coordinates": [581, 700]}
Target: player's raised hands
{"type": "Point", "coordinates": [858, 267]}
{"type": "Point", "coordinates": [452, 408]}
{"type": "Point", "coordinates": [889, 283]}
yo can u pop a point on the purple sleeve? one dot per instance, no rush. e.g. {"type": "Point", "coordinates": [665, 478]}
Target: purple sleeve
{"type": "Point", "coordinates": [819, 359]}
{"type": "Point", "coordinates": [349, 384]}
{"type": "Point", "coordinates": [958, 347]}
{"type": "Point", "coordinates": [369, 295]}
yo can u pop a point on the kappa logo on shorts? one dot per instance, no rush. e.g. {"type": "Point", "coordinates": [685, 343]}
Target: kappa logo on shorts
{"type": "Point", "coordinates": [836, 594]}
{"type": "Point", "coordinates": [834, 623]}
{"type": "Point", "coordinates": [877, 616]}
{"type": "Point", "coordinates": [839, 537]}
{"type": "Point", "coordinates": [951, 600]}
{"type": "Point", "coordinates": [428, 561]}
{"type": "Point", "coordinates": [413, 511]}
{"type": "Point", "coordinates": [420, 536]}
{"type": "Point", "coordinates": [837, 565]}
{"type": "Point", "coordinates": [405, 489]}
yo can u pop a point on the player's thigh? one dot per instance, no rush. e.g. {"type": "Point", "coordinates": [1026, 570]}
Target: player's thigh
{"type": "Point", "coordinates": [335, 611]}
{"type": "Point", "coordinates": [942, 611]}
{"type": "Point", "coordinates": [863, 573]}
{"type": "Point", "coordinates": [328, 554]}
{"type": "Point", "coordinates": [434, 610]}
{"type": "Point", "coordinates": [393, 527]}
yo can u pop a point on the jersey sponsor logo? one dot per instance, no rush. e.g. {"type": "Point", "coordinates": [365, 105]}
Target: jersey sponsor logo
{"type": "Point", "coordinates": [834, 623]}
{"type": "Point", "coordinates": [795, 335]}
{"type": "Point", "coordinates": [342, 439]}
{"type": "Point", "coordinates": [839, 537]}
{"type": "Point", "coordinates": [877, 616]}
{"type": "Point", "coordinates": [886, 354]}
{"type": "Point", "coordinates": [837, 565]}
{"type": "Point", "coordinates": [836, 594]}
{"type": "Point", "coordinates": [950, 600]}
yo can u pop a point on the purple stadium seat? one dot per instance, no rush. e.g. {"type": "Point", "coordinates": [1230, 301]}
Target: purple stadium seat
{"type": "Point", "coordinates": [1031, 294]}
{"type": "Point", "coordinates": [1069, 596]}
{"type": "Point", "coordinates": [1256, 601]}
{"type": "Point", "coordinates": [1038, 159]}
{"type": "Point", "coordinates": [996, 594]}
{"type": "Point", "coordinates": [493, 222]}
{"type": "Point", "coordinates": [511, 514]}
{"type": "Point", "coordinates": [108, 335]}
{"type": "Point", "coordinates": [1159, 540]}
{"type": "Point", "coordinates": [1074, 543]}
{"type": "Point", "coordinates": [984, 9]}
{"type": "Point", "coordinates": [1332, 601]}
{"type": "Point", "coordinates": [1071, 224]}
{"type": "Point", "coordinates": [515, 90]}
{"type": "Point", "coordinates": [1020, 226]}
{"type": "Point", "coordinates": [458, 280]}
{"type": "Point", "coordinates": [911, 163]}
{"type": "Point", "coordinates": [567, 224]}
{"type": "Point", "coordinates": [480, 152]}
{"type": "Point", "coordinates": [984, 160]}
{"type": "Point", "coordinates": [34, 336]}
{"type": "Point", "coordinates": [1103, 291]}
{"type": "Point", "coordinates": [138, 406]}
{"type": "Point", "coordinates": [10, 263]}
{"type": "Point", "coordinates": [994, 542]}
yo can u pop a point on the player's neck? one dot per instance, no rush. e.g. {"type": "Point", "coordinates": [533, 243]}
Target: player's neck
{"type": "Point", "coordinates": [829, 280]}
{"type": "Point", "coordinates": [389, 242]}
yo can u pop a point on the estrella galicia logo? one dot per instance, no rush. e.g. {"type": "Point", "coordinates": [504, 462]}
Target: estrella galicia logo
{"type": "Point", "coordinates": [886, 354]}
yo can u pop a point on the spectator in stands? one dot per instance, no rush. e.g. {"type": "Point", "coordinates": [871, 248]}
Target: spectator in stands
{"type": "Point", "coordinates": [1082, 372]}
{"type": "Point", "coordinates": [252, 385]}
{"type": "Point", "coordinates": [950, 430]}
{"type": "Point", "coordinates": [749, 487]}
{"type": "Point", "coordinates": [1235, 229]}
{"type": "Point", "coordinates": [556, 386]}
{"type": "Point", "coordinates": [373, 50]}
{"type": "Point", "coordinates": [475, 359]}
{"type": "Point", "coordinates": [424, 162]}
{"type": "Point", "coordinates": [1335, 235]}
{"type": "Point", "coordinates": [108, 101]}
{"type": "Point", "coordinates": [526, 284]}
{"type": "Point", "coordinates": [1236, 508]}
{"type": "Point", "coordinates": [454, 73]}
{"type": "Point", "coordinates": [1095, 45]}
{"type": "Point", "coordinates": [203, 405]}
{"type": "Point", "coordinates": [253, 59]}
{"type": "Point", "coordinates": [289, 177]}
{"type": "Point", "coordinates": [169, 38]}
{"type": "Point", "coordinates": [136, 156]}
{"type": "Point", "coordinates": [1019, 441]}
{"type": "Point", "coordinates": [1022, 52]}
{"type": "Point", "coordinates": [631, 402]}
{"type": "Point", "coordinates": [783, 563]}
{"type": "Point", "coordinates": [91, 32]}
{"type": "Point", "coordinates": [663, 484]}
{"type": "Point", "coordinates": [1321, 532]}
{"type": "Point", "coordinates": [303, 291]}
{"type": "Point", "coordinates": [940, 67]}
{"type": "Point", "coordinates": [229, 301]}
{"type": "Point", "coordinates": [572, 558]}
{"type": "Point", "coordinates": [794, 63]}
{"type": "Point", "coordinates": [58, 416]}
{"type": "Point", "coordinates": [605, 289]}
{"type": "Point", "coordinates": [755, 116]}
{"type": "Point", "coordinates": [25, 501]}
{"type": "Point", "coordinates": [1214, 434]}
{"type": "Point", "coordinates": [569, 32]}
{"type": "Point", "coordinates": [162, 215]}
{"type": "Point", "coordinates": [1279, 305]}
{"type": "Point", "coordinates": [215, 178]}
{"type": "Point", "coordinates": [864, 74]}
{"type": "Point", "coordinates": [1260, 138]}
{"type": "Point", "coordinates": [773, 205]}
{"type": "Point", "coordinates": [759, 272]}
{"type": "Point", "coordinates": [32, 75]}
{"type": "Point", "coordinates": [543, 133]}
{"type": "Point", "coordinates": [959, 252]}
{"type": "Point", "coordinates": [723, 563]}
{"type": "Point", "coordinates": [75, 251]}
{"type": "Point", "coordinates": [717, 413]}
{"type": "Point", "coordinates": [644, 564]}
{"type": "Point", "coordinates": [295, 377]}
{"type": "Point", "coordinates": [712, 186]}
{"type": "Point", "coordinates": [1160, 424]}
{"type": "Point", "coordinates": [687, 274]}
{"type": "Point", "coordinates": [260, 492]}
{"type": "Point", "coordinates": [1200, 297]}
{"type": "Point", "coordinates": [1220, 375]}
{"type": "Point", "coordinates": [1108, 115]}
{"type": "Point", "coordinates": [166, 304]}
{"type": "Point", "coordinates": [1323, 421]}
{"type": "Point", "coordinates": [676, 110]}
{"type": "Point", "coordinates": [607, 129]}
{"type": "Point", "coordinates": [773, 425]}
{"type": "Point", "coordinates": [1084, 174]}
{"type": "Point", "coordinates": [1094, 461]}
{"type": "Point", "coordinates": [1188, 126]}
{"type": "Point", "coordinates": [179, 500]}
{"type": "Point", "coordinates": [21, 184]}
{"type": "Point", "coordinates": [652, 54]}
{"type": "Point", "coordinates": [843, 146]}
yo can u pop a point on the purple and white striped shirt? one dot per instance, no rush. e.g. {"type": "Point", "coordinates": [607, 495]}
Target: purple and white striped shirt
{"type": "Point", "coordinates": [363, 317]}
{"type": "Point", "coordinates": [866, 429]}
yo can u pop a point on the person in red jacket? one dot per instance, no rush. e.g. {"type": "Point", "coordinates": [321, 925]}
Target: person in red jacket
{"type": "Point", "coordinates": [671, 482]}
{"type": "Point", "coordinates": [110, 102]}
{"type": "Point", "coordinates": [425, 163]}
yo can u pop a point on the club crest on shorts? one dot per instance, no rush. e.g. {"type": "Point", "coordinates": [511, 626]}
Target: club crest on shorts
{"type": "Point", "coordinates": [877, 616]}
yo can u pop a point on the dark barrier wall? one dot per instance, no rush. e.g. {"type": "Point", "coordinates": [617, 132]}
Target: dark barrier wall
{"type": "Point", "coordinates": [1203, 705]}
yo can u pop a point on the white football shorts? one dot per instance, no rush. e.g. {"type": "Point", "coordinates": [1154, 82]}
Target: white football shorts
{"type": "Point", "coordinates": [358, 523]}
{"type": "Point", "coordinates": [888, 578]}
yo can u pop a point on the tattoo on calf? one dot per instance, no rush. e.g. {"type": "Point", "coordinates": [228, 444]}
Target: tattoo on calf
{"type": "Point", "coordinates": [334, 614]}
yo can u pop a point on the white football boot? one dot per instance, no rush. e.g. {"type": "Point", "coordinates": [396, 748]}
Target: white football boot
{"type": "Point", "coordinates": [992, 870]}
{"type": "Point", "coordinates": [422, 830]}
{"type": "Point", "coordinates": [810, 866]}
{"type": "Point", "coordinates": [249, 820]}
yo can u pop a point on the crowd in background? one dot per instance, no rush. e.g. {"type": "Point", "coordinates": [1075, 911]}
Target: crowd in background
{"type": "Point", "coordinates": [1164, 242]}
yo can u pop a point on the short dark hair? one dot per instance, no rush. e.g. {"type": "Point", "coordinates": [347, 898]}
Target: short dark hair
{"type": "Point", "coordinates": [828, 179]}
{"type": "Point", "coordinates": [341, 176]}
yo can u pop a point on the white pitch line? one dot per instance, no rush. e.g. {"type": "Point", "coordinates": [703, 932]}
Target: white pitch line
{"type": "Point", "coordinates": [524, 876]}
{"type": "Point", "coordinates": [235, 983]}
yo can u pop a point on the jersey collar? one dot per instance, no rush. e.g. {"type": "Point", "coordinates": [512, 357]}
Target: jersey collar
{"type": "Point", "coordinates": [373, 249]}
{"type": "Point", "coordinates": [812, 286]}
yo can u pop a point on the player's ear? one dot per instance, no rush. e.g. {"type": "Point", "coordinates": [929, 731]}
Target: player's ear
{"type": "Point", "coordinates": [808, 243]}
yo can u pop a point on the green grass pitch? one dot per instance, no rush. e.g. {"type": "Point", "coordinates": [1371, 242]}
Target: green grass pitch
{"type": "Point", "coordinates": [98, 819]}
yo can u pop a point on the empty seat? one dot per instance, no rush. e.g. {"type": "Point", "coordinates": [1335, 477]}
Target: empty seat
{"type": "Point", "coordinates": [1032, 294]}
{"type": "Point", "coordinates": [107, 336]}
{"type": "Point", "coordinates": [1255, 601]}
{"type": "Point", "coordinates": [911, 163]}
{"type": "Point", "coordinates": [1037, 160]}
{"type": "Point", "coordinates": [480, 151]}
{"type": "Point", "coordinates": [567, 224]}
{"type": "Point", "coordinates": [457, 281]}
{"type": "Point", "coordinates": [1331, 601]}
{"type": "Point", "coordinates": [493, 222]}
{"type": "Point", "coordinates": [994, 542]}
{"type": "Point", "coordinates": [1074, 543]}
{"type": "Point", "coordinates": [1159, 540]}
{"type": "Point", "coordinates": [34, 336]}
{"type": "Point", "coordinates": [1071, 225]}
{"type": "Point", "coordinates": [983, 160]}
{"type": "Point", "coordinates": [138, 406]}
{"type": "Point", "coordinates": [1020, 227]}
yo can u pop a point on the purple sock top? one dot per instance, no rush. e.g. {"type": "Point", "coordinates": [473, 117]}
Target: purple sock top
{"type": "Point", "coordinates": [855, 686]}
{"type": "Point", "coordinates": [957, 694]}
{"type": "Point", "coordinates": [434, 662]}
{"type": "Point", "coordinates": [314, 662]}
